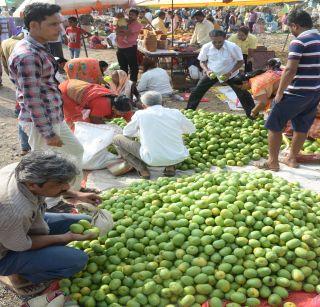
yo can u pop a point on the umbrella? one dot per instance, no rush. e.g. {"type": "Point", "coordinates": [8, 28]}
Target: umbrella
{"type": "Point", "coordinates": [70, 7]}
{"type": "Point", "coordinates": [205, 3]}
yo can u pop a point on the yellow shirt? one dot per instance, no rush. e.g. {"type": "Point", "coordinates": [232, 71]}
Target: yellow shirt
{"type": "Point", "coordinates": [201, 32]}
{"type": "Point", "coordinates": [249, 43]}
{"type": "Point", "coordinates": [158, 24]}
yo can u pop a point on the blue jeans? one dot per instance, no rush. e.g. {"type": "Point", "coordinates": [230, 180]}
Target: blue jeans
{"type": "Point", "coordinates": [74, 53]}
{"type": "Point", "coordinates": [52, 262]}
{"type": "Point", "coordinates": [23, 138]}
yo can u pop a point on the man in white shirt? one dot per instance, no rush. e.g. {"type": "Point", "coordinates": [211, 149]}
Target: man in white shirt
{"type": "Point", "coordinates": [160, 131]}
{"type": "Point", "coordinates": [202, 30]}
{"type": "Point", "coordinates": [220, 61]}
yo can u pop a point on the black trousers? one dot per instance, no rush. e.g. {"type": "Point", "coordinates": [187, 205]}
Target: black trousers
{"type": "Point", "coordinates": [251, 26]}
{"type": "Point", "coordinates": [204, 85]}
{"type": "Point", "coordinates": [128, 60]}
{"type": "Point", "coordinates": [247, 64]}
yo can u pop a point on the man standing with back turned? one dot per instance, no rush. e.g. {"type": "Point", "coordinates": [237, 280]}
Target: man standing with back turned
{"type": "Point", "coordinates": [299, 91]}
{"type": "Point", "coordinates": [32, 70]}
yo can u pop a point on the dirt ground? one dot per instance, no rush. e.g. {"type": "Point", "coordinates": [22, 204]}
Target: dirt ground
{"type": "Point", "coordinates": [9, 145]}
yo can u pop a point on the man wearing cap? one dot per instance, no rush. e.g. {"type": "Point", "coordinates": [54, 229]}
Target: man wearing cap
{"type": "Point", "coordinates": [203, 28]}
{"type": "Point", "coordinates": [160, 132]}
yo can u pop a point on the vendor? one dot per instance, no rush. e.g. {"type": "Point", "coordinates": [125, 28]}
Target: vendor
{"type": "Point", "coordinates": [159, 24]}
{"type": "Point", "coordinates": [222, 59]}
{"type": "Point", "coordinates": [33, 243]}
{"type": "Point", "coordinates": [245, 41]}
{"type": "Point", "coordinates": [160, 132]}
{"type": "Point", "coordinates": [203, 28]}
{"type": "Point", "coordinates": [263, 85]}
{"type": "Point", "coordinates": [121, 84]}
{"type": "Point", "coordinates": [93, 103]}
{"type": "Point", "coordinates": [154, 79]}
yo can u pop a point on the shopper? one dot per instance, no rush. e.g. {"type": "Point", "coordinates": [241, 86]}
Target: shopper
{"type": "Point", "coordinates": [32, 70]}
{"type": "Point", "coordinates": [127, 46]}
{"type": "Point", "coordinates": [298, 94]}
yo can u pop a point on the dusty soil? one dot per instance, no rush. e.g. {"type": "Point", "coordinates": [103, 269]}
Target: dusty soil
{"type": "Point", "coordinates": [9, 145]}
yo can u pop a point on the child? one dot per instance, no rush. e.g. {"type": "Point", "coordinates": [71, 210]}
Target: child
{"type": "Point", "coordinates": [61, 75]}
{"type": "Point", "coordinates": [74, 37]}
{"type": "Point", "coordinates": [121, 23]}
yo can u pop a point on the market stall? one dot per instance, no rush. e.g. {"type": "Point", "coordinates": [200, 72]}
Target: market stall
{"type": "Point", "coordinates": [171, 55]}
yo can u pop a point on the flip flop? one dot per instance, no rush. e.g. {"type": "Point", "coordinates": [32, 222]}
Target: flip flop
{"type": "Point", "coordinates": [264, 165]}
{"type": "Point", "coordinates": [24, 289]}
{"type": "Point", "coordinates": [283, 160]}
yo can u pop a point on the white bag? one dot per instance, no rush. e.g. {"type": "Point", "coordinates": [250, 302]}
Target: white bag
{"type": "Point", "coordinates": [95, 139]}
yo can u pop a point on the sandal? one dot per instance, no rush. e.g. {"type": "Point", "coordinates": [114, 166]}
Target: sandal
{"type": "Point", "coordinates": [169, 171]}
{"type": "Point", "coordinates": [24, 289]}
{"type": "Point", "coordinates": [265, 165]}
{"type": "Point", "coordinates": [285, 161]}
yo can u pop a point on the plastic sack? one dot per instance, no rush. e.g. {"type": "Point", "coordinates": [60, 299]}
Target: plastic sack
{"type": "Point", "coordinates": [94, 139]}
{"type": "Point", "coordinates": [103, 220]}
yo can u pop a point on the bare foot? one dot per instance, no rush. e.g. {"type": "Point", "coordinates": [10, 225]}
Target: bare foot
{"type": "Point", "coordinates": [144, 174]}
{"type": "Point", "coordinates": [170, 171]}
{"type": "Point", "coordinates": [289, 162]}
{"type": "Point", "coordinates": [266, 165]}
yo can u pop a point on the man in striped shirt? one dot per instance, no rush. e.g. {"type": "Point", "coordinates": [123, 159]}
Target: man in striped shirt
{"type": "Point", "coordinates": [299, 91]}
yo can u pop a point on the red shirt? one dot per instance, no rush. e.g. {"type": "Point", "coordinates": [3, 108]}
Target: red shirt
{"type": "Point", "coordinates": [127, 41]}
{"type": "Point", "coordinates": [74, 37]}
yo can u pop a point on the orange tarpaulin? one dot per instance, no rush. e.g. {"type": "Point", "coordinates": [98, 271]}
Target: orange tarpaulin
{"type": "Point", "coordinates": [68, 7]}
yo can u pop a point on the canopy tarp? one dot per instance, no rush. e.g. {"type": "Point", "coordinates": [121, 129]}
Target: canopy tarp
{"type": "Point", "coordinates": [82, 6]}
{"type": "Point", "coordinates": [206, 3]}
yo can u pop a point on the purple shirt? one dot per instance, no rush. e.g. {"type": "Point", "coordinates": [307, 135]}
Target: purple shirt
{"type": "Point", "coordinates": [253, 17]}
{"type": "Point", "coordinates": [32, 70]}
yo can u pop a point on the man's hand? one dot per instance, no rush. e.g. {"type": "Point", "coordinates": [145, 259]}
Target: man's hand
{"type": "Point", "coordinates": [227, 76]}
{"type": "Point", "coordinates": [278, 97]}
{"type": "Point", "coordinates": [208, 72]}
{"type": "Point", "coordinates": [70, 236]}
{"type": "Point", "coordinates": [54, 141]}
{"type": "Point", "coordinates": [90, 198]}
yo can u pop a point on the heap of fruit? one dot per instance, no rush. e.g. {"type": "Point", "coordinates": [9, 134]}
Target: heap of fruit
{"type": "Point", "coordinates": [312, 146]}
{"type": "Point", "coordinates": [181, 241]}
{"type": "Point", "coordinates": [224, 139]}
{"type": "Point", "coordinates": [221, 139]}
